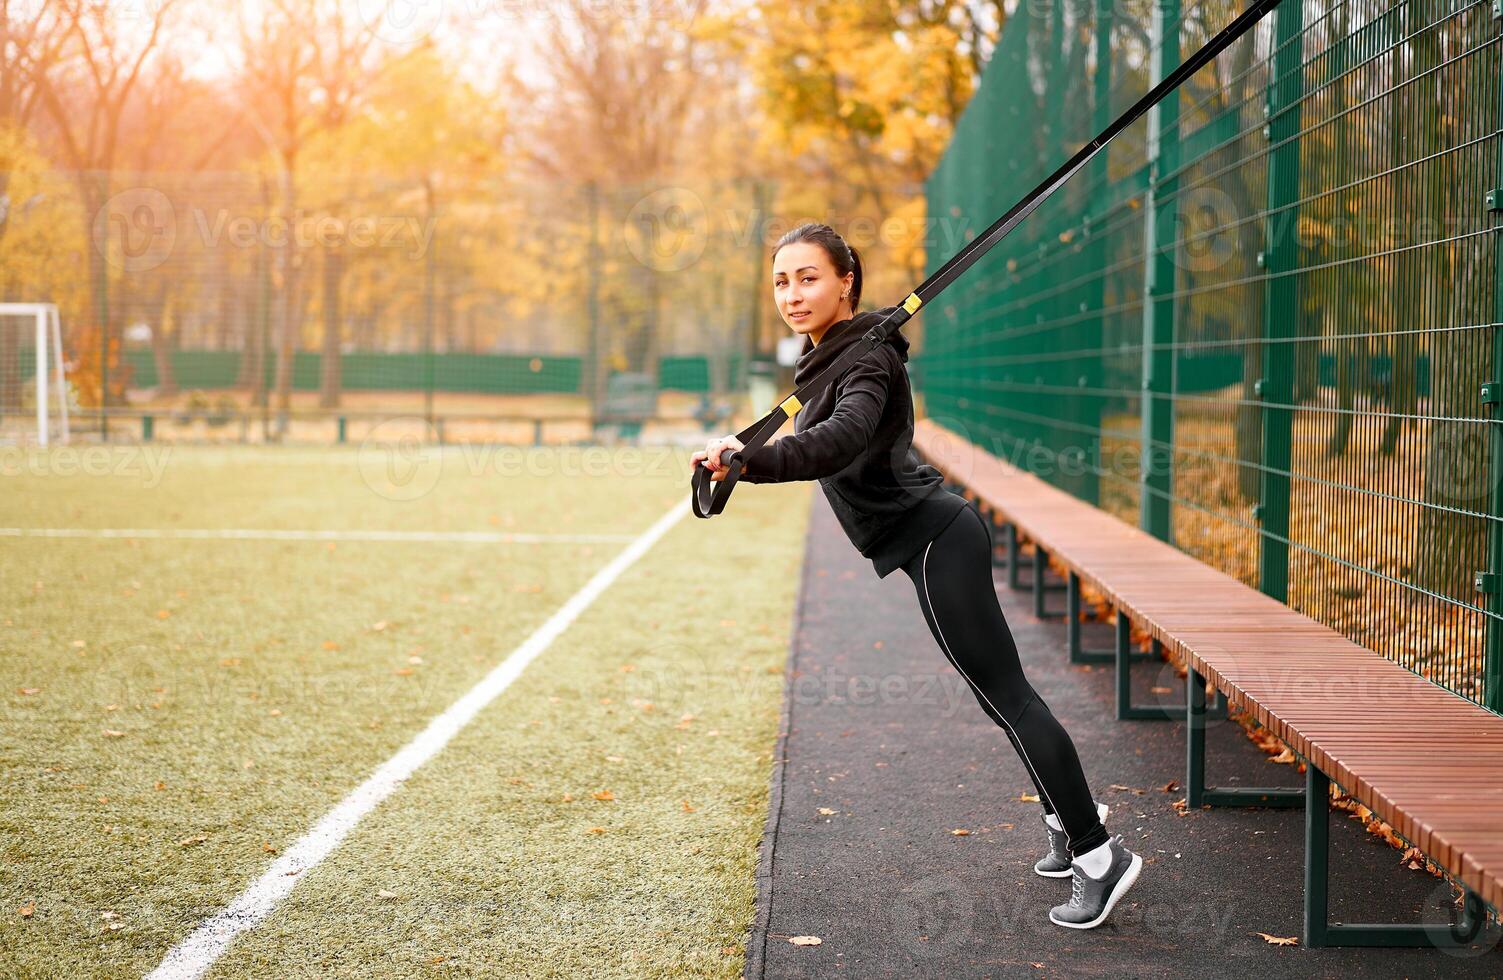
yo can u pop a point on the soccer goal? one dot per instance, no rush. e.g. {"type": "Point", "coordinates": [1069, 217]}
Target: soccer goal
{"type": "Point", "coordinates": [32, 404]}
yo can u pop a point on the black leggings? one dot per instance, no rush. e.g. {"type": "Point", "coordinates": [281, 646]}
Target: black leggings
{"type": "Point", "coordinates": [953, 578]}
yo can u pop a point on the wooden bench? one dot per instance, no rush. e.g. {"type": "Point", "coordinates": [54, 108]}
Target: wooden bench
{"type": "Point", "coordinates": [1422, 758]}
{"type": "Point", "coordinates": [630, 402]}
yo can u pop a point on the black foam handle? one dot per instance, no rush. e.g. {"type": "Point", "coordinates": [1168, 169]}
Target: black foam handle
{"type": "Point", "coordinates": [706, 498]}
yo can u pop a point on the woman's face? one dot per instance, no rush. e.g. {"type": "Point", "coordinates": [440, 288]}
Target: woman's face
{"type": "Point", "coordinates": [807, 289]}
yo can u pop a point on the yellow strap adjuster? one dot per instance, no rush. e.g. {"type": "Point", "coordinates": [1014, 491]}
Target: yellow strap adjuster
{"type": "Point", "coordinates": [791, 405]}
{"type": "Point", "coordinates": [912, 303]}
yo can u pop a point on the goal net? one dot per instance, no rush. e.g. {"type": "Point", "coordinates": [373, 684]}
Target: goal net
{"type": "Point", "coordinates": [33, 389]}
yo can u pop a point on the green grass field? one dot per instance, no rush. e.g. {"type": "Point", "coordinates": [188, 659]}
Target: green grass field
{"type": "Point", "coordinates": [183, 701]}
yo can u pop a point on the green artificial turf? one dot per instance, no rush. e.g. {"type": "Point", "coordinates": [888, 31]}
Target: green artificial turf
{"type": "Point", "coordinates": [173, 712]}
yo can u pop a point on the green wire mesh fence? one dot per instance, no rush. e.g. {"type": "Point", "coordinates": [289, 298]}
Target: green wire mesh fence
{"type": "Point", "coordinates": [1260, 325]}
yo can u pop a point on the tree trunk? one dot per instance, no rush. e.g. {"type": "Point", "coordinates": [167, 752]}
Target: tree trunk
{"type": "Point", "coordinates": [158, 312]}
{"type": "Point", "coordinates": [1451, 537]}
{"type": "Point", "coordinates": [257, 318]}
{"type": "Point", "coordinates": [94, 191]}
{"type": "Point", "coordinates": [286, 286]}
{"type": "Point", "coordinates": [1346, 348]}
{"type": "Point", "coordinates": [1248, 427]}
{"type": "Point", "coordinates": [330, 377]}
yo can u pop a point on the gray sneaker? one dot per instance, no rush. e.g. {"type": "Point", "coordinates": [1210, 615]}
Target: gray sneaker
{"type": "Point", "coordinates": [1056, 864]}
{"type": "Point", "coordinates": [1092, 899]}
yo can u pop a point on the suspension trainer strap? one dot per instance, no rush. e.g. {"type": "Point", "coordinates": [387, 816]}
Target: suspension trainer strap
{"type": "Point", "coordinates": [708, 500]}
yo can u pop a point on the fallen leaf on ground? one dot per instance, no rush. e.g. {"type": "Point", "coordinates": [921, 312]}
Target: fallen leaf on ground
{"type": "Point", "coordinates": [27, 910]}
{"type": "Point", "coordinates": [805, 940]}
{"type": "Point", "coordinates": [961, 832]}
{"type": "Point", "coordinates": [111, 733]}
{"type": "Point", "coordinates": [604, 794]}
{"type": "Point", "coordinates": [1278, 940]}
{"type": "Point", "coordinates": [1028, 798]}
{"type": "Point", "coordinates": [826, 811]}
{"type": "Point", "coordinates": [190, 841]}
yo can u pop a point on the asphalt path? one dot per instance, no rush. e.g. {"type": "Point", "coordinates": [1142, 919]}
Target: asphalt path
{"type": "Point", "coordinates": [884, 754]}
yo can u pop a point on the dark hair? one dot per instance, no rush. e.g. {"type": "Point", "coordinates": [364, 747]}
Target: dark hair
{"type": "Point", "coordinates": [843, 256]}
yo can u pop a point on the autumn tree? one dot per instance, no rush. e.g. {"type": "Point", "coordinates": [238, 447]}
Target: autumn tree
{"type": "Point", "coordinates": [303, 66]}
{"type": "Point", "coordinates": [99, 58]}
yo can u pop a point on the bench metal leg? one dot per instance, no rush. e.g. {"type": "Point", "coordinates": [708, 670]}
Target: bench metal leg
{"type": "Point", "coordinates": [1041, 589]}
{"type": "Point", "coordinates": [1126, 710]}
{"type": "Point", "coordinates": [1197, 793]}
{"type": "Point", "coordinates": [1320, 931]}
{"type": "Point", "coordinates": [1010, 536]}
{"type": "Point", "coordinates": [1078, 654]}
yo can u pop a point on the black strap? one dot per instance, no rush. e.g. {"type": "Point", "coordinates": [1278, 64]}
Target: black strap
{"type": "Point", "coordinates": [707, 503]}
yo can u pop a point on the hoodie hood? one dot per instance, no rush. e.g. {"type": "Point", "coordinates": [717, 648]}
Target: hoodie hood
{"type": "Point", "coordinates": [840, 335]}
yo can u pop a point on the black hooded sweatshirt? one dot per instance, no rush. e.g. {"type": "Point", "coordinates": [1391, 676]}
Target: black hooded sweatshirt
{"type": "Point", "coordinates": [855, 437]}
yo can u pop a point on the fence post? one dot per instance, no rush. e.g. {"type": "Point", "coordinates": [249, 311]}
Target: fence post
{"type": "Point", "coordinates": [1047, 375]}
{"type": "Point", "coordinates": [1160, 237]}
{"type": "Point", "coordinates": [1492, 396]}
{"type": "Point", "coordinates": [1090, 337]}
{"type": "Point", "coordinates": [1281, 309]}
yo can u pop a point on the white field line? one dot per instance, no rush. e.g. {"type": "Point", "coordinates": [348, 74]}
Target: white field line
{"type": "Point", "coordinates": [274, 534]}
{"type": "Point", "coordinates": [195, 954]}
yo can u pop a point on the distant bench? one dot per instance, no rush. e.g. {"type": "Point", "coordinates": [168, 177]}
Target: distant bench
{"type": "Point", "coordinates": [631, 401]}
{"type": "Point", "coordinates": [1425, 760]}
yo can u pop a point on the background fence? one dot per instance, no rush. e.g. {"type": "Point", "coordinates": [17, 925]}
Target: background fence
{"type": "Point", "coordinates": [1262, 324]}
{"type": "Point", "coordinates": [336, 293]}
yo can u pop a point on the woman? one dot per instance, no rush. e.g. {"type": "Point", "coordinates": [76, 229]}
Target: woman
{"type": "Point", "coordinates": [855, 437]}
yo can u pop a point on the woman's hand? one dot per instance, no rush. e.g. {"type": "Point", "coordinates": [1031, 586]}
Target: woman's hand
{"type": "Point", "coordinates": [710, 456]}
